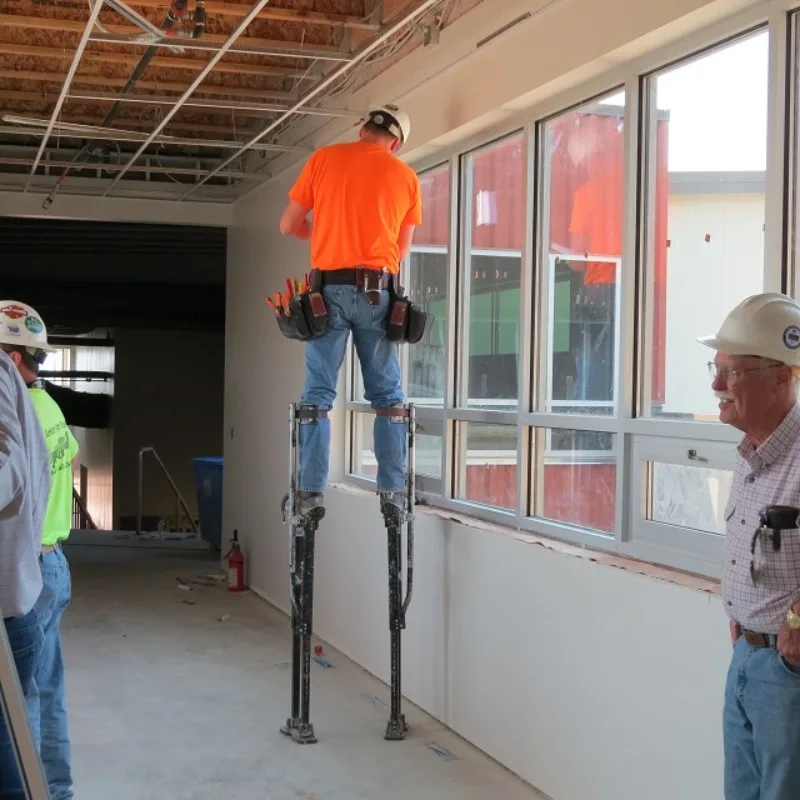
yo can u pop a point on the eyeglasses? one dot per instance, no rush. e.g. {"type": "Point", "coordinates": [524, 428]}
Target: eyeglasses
{"type": "Point", "coordinates": [723, 372]}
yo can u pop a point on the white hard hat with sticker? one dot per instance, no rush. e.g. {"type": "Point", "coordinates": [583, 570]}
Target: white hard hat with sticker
{"type": "Point", "coordinates": [392, 119]}
{"type": "Point", "coordinates": [20, 324]}
{"type": "Point", "coordinates": [765, 325]}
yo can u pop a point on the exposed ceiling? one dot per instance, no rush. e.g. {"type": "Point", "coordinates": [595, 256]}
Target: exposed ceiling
{"type": "Point", "coordinates": [138, 98]}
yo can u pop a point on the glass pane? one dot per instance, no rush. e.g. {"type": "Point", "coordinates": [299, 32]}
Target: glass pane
{"type": "Point", "coordinates": [690, 497]}
{"type": "Point", "coordinates": [493, 257]}
{"type": "Point", "coordinates": [583, 171]}
{"type": "Point", "coordinates": [428, 455]}
{"type": "Point", "coordinates": [364, 462]}
{"type": "Point", "coordinates": [487, 464]}
{"type": "Point", "coordinates": [576, 478]}
{"type": "Point", "coordinates": [427, 286]}
{"type": "Point", "coordinates": [704, 216]}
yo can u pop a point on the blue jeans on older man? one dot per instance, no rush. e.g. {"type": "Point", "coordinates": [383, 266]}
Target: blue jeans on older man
{"type": "Point", "coordinates": [350, 310]}
{"type": "Point", "coordinates": [761, 725]}
{"type": "Point", "coordinates": [47, 706]}
{"type": "Point", "coordinates": [25, 640]}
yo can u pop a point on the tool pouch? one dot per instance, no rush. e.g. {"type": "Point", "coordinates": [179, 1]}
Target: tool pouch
{"type": "Point", "coordinates": [406, 322]}
{"type": "Point", "coordinates": [308, 317]}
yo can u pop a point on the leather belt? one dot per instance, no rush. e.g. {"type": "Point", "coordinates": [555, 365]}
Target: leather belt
{"type": "Point", "coordinates": [363, 277]}
{"type": "Point", "coordinates": [760, 639]}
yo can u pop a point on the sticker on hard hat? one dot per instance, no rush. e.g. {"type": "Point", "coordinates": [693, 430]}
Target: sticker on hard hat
{"type": "Point", "coordinates": [14, 311]}
{"type": "Point", "coordinates": [13, 330]}
{"type": "Point", "coordinates": [791, 337]}
{"type": "Point", "coordinates": [34, 324]}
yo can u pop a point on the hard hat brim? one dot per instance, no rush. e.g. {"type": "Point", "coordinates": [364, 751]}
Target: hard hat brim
{"type": "Point", "coordinates": [731, 348]}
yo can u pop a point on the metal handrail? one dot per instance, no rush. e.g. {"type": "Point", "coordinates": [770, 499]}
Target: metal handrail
{"type": "Point", "coordinates": [179, 501]}
{"type": "Point", "coordinates": [80, 513]}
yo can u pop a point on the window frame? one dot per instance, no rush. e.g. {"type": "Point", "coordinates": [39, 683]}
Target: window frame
{"type": "Point", "coordinates": [633, 536]}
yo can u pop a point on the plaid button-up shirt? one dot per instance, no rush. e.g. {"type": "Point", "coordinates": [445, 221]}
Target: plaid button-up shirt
{"type": "Point", "coordinates": [768, 475]}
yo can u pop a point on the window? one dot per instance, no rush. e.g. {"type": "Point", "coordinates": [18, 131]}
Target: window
{"type": "Point", "coordinates": [487, 464]}
{"type": "Point", "coordinates": [707, 134]}
{"type": "Point", "coordinates": [576, 478]}
{"type": "Point", "coordinates": [494, 203]}
{"type": "Point", "coordinates": [580, 263]}
{"type": "Point", "coordinates": [427, 277]}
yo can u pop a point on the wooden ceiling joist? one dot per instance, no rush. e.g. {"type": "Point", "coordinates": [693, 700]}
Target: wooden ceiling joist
{"type": "Point", "coordinates": [158, 62]}
{"type": "Point", "coordinates": [38, 97]}
{"type": "Point", "coordinates": [214, 7]}
{"type": "Point", "coordinates": [78, 26]}
{"type": "Point", "coordinates": [158, 86]}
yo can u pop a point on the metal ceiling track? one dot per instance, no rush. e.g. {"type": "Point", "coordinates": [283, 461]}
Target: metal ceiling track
{"type": "Point", "coordinates": [387, 32]}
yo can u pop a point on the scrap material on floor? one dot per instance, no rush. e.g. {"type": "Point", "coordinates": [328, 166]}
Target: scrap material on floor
{"type": "Point", "coordinates": [177, 689]}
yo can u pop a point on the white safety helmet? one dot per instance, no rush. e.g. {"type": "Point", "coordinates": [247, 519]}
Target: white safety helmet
{"type": "Point", "coordinates": [392, 119]}
{"type": "Point", "coordinates": [21, 325]}
{"type": "Point", "coordinates": [766, 325]}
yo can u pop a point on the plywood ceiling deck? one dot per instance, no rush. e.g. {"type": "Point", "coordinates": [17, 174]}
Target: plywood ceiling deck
{"type": "Point", "coordinates": [38, 39]}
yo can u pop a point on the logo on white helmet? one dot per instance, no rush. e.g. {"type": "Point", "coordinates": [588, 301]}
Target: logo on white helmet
{"type": "Point", "coordinates": [14, 311]}
{"type": "Point", "coordinates": [34, 325]}
{"type": "Point", "coordinates": [791, 337]}
{"type": "Point", "coordinates": [13, 330]}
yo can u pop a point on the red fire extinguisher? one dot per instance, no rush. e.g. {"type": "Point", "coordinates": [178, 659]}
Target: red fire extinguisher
{"type": "Point", "coordinates": [235, 565]}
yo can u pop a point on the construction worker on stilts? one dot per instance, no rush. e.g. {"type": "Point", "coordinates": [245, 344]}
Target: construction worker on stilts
{"type": "Point", "coordinates": [366, 204]}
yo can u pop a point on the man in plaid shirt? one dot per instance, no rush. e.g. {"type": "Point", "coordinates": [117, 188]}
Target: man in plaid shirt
{"type": "Point", "coordinates": [755, 376]}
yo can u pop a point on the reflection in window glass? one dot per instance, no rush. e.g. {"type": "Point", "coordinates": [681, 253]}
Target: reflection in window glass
{"type": "Point", "coordinates": [576, 478]}
{"type": "Point", "coordinates": [487, 464]}
{"type": "Point", "coordinates": [427, 286]}
{"type": "Point", "coordinates": [583, 162]}
{"type": "Point", "coordinates": [690, 497]}
{"type": "Point", "coordinates": [493, 256]}
{"type": "Point", "coordinates": [705, 216]}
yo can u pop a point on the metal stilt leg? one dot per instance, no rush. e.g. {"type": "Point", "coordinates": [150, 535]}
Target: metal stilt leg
{"type": "Point", "coordinates": [394, 517]}
{"type": "Point", "coordinates": [301, 570]}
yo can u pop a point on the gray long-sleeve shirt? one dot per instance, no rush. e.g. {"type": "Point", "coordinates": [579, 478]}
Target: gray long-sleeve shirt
{"type": "Point", "coordinates": [24, 490]}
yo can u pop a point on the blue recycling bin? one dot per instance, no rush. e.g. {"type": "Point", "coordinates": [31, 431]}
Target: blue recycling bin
{"type": "Point", "coordinates": [208, 484]}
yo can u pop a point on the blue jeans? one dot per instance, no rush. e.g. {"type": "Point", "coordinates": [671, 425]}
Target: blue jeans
{"type": "Point", "coordinates": [349, 310]}
{"type": "Point", "coordinates": [761, 725]}
{"type": "Point", "coordinates": [47, 706]}
{"type": "Point", "coordinates": [25, 638]}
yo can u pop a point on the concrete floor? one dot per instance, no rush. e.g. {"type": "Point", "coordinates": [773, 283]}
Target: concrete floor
{"type": "Point", "coordinates": [167, 701]}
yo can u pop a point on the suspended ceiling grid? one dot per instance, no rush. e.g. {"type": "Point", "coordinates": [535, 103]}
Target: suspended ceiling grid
{"type": "Point", "coordinates": [69, 106]}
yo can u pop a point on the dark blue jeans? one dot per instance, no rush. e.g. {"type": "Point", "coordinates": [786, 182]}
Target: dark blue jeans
{"type": "Point", "coordinates": [25, 637]}
{"type": "Point", "coordinates": [349, 310]}
{"type": "Point", "coordinates": [761, 724]}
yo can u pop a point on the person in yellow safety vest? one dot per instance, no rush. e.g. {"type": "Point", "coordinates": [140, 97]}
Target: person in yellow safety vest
{"type": "Point", "coordinates": [23, 337]}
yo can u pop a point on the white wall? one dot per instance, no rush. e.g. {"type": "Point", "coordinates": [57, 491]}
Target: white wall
{"type": "Point", "coordinates": [591, 682]}
{"type": "Point", "coordinates": [16, 204]}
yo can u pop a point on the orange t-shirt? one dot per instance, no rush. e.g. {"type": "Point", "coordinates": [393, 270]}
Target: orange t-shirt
{"type": "Point", "coordinates": [361, 196]}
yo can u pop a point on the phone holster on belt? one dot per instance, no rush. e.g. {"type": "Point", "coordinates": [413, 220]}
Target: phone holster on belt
{"type": "Point", "coordinates": [406, 322]}
{"type": "Point", "coordinates": [307, 319]}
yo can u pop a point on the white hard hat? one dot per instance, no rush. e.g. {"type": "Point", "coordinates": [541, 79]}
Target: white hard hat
{"type": "Point", "coordinates": [21, 325]}
{"type": "Point", "coordinates": [766, 325]}
{"type": "Point", "coordinates": [391, 118]}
